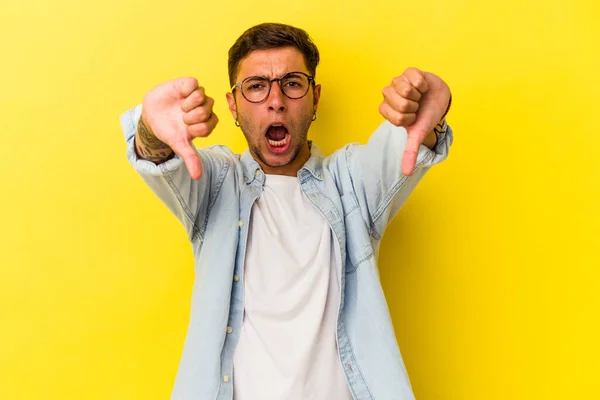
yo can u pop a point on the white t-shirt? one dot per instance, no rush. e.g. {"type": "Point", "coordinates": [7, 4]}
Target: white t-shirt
{"type": "Point", "coordinates": [287, 348]}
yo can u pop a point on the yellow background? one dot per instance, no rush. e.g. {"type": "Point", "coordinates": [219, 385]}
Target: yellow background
{"type": "Point", "coordinates": [491, 268]}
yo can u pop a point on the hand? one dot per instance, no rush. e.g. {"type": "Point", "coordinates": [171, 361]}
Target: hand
{"type": "Point", "coordinates": [417, 101]}
{"type": "Point", "coordinates": [176, 112]}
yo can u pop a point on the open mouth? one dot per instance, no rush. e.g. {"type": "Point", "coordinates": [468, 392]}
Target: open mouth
{"type": "Point", "coordinates": [278, 137]}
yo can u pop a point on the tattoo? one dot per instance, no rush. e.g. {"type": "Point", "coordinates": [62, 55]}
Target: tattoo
{"type": "Point", "coordinates": [440, 129]}
{"type": "Point", "coordinates": [150, 147]}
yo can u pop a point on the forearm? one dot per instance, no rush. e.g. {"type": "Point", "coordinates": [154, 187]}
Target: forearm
{"type": "Point", "coordinates": [149, 147]}
{"type": "Point", "coordinates": [380, 184]}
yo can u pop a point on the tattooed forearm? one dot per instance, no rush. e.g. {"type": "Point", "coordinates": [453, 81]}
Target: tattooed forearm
{"type": "Point", "coordinates": [149, 147]}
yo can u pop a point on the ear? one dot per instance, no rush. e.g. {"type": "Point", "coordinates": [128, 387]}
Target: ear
{"type": "Point", "coordinates": [316, 96]}
{"type": "Point", "coordinates": [232, 106]}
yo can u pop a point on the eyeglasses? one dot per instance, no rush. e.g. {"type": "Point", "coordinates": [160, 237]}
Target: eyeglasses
{"type": "Point", "coordinates": [293, 85]}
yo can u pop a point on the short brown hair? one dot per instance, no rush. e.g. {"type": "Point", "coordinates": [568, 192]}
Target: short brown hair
{"type": "Point", "coordinates": [271, 36]}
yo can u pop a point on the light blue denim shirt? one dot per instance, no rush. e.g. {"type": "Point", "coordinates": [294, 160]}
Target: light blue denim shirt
{"type": "Point", "coordinates": [358, 189]}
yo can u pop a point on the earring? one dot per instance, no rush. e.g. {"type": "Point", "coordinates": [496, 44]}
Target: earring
{"type": "Point", "coordinates": [314, 116]}
{"type": "Point", "coordinates": [237, 123]}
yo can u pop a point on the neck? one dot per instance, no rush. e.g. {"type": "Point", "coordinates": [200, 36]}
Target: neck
{"type": "Point", "coordinates": [290, 169]}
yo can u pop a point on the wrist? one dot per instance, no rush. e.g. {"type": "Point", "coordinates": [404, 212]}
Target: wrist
{"type": "Point", "coordinates": [442, 125]}
{"type": "Point", "coordinates": [150, 147]}
{"type": "Point", "coordinates": [440, 129]}
{"type": "Point", "coordinates": [447, 108]}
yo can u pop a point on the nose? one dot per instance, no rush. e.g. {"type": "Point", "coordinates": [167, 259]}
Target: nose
{"type": "Point", "coordinates": [276, 99]}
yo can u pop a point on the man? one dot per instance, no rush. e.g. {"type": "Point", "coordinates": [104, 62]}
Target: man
{"type": "Point", "coordinates": [287, 302]}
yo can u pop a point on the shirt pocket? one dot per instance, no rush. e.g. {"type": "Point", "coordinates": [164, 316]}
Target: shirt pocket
{"type": "Point", "coordinates": [358, 244]}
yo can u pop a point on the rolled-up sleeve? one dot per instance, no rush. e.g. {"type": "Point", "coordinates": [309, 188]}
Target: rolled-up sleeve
{"type": "Point", "coordinates": [185, 197]}
{"type": "Point", "coordinates": [376, 170]}
{"type": "Point", "coordinates": [129, 120]}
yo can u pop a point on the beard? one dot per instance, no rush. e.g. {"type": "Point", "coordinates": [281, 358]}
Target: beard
{"type": "Point", "coordinates": [255, 136]}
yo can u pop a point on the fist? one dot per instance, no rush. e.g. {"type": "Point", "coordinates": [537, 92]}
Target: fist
{"type": "Point", "coordinates": [417, 101]}
{"type": "Point", "coordinates": [177, 112]}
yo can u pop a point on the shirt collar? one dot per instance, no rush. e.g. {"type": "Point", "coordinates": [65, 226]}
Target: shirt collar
{"type": "Point", "coordinates": [313, 166]}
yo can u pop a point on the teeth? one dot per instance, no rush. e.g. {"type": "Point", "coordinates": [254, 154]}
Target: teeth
{"type": "Point", "coordinates": [279, 143]}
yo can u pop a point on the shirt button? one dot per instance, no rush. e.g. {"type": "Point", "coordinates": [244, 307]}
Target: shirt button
{"type": "Point", "coordinates": [241, 223]}
{"type": "Point", "coordinates": [226, 378]}
{"type": "Point", "coordinates": [236, 277]}
{"type": "Point", "coordinates": [257, 173]}
{"type": "Point", "coordinates": [229, 329]}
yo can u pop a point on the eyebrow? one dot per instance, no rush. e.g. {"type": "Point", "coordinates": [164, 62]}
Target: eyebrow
{"type": "Point", "coordinates": [267, 77]}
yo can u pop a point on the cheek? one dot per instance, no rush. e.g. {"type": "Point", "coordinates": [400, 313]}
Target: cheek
{"type": "Point", "coordinates": [250, 115]}
{"type": "Point", "coordinates": [250, 128]}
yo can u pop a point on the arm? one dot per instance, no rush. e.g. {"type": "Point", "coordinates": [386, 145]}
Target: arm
{"type": "Point", "coordinates": [417, 101]}
{"type": "Point", "coordinates": [149, 147]}
{"type": "Point", "coordinates": [169, 180]}
{"type": "Point", "coordinates": [433, 138]}
{"type": "Point", "coordinates": [415, 137]}
{"type": "Point", "coordinates": [159, 135]}
{"type": "Point", "coordinates": [380, 185]}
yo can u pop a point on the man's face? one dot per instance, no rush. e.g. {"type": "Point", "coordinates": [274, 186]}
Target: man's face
{"type": "Point", "coordinates": [275, 129]}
